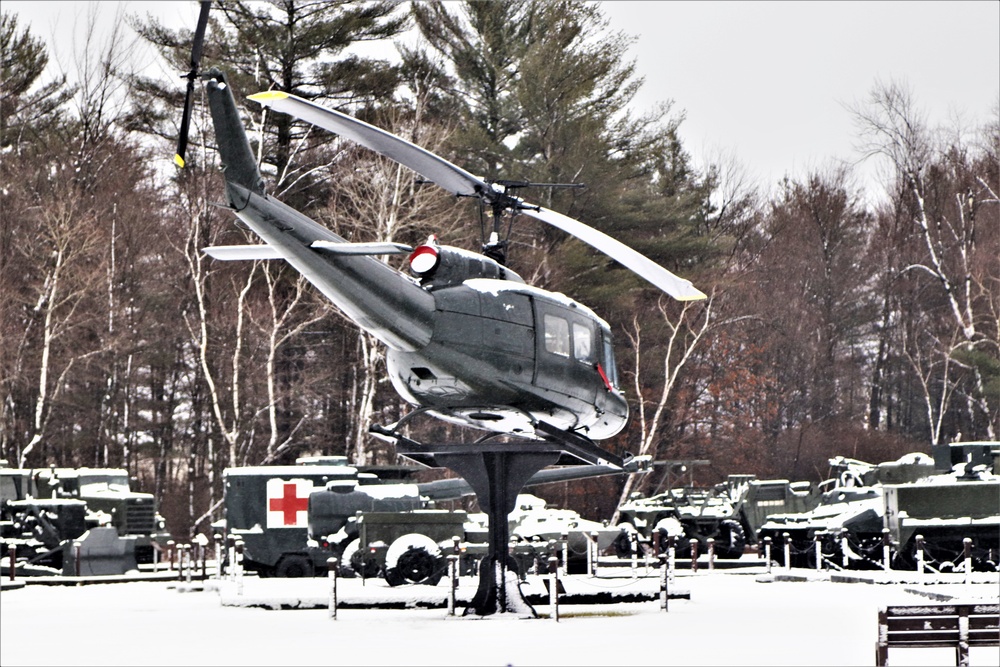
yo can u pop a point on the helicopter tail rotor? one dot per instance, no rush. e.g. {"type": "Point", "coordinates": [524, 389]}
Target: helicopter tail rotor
{"type": "Point", "coordinates": [192, 77]}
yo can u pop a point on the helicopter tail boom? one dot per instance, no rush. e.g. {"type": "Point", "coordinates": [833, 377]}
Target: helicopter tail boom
{"type": "Point", "coordinates": [231, 137]}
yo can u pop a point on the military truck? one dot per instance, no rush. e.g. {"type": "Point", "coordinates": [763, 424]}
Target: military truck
{"type": "Point", "coordinates": [110, 501]}
{"type": "Point", "coordinates": [55, 532]}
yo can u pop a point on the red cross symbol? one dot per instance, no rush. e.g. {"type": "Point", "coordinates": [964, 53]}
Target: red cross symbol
{"type": "Point", "coordinates": [288, 504]}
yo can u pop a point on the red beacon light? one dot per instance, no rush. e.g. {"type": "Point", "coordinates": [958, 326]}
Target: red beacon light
{"type": "Point", "coordinates": [424, 258]}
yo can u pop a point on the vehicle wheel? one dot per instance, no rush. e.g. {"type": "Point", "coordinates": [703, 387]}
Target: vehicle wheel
{"type": "Point", "coordinates": [732, 540]}
{"type": "Point", "coordinates": [346, 564]}
{"type": "Point", "coordinates": [291, 567]}
{"type": "Point", "coordinates": [413, 558]}
{"type": "Point", "coordinates": [623, 543]}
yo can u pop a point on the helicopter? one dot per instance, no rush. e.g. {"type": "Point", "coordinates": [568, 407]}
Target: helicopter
{"type": "Point", "coordinates": [467, 340]}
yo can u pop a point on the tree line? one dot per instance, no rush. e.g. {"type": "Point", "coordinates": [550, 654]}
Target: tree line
{"type": "Point", "coordinates": [834, 325]}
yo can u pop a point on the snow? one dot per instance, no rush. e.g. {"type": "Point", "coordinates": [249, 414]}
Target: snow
{"type": "Point", "coordinates": [733, 617]}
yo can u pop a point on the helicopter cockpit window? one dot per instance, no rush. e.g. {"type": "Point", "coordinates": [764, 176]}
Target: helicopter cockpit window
{"type": "Point", "coordinates": [610, 369]}
{"type": "Point", "coordinates": [583, 343]}
{"type": "Point", "coordinates": [556, 335]}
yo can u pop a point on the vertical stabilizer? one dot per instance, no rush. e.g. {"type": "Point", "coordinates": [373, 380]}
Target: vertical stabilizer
{"type": "Point", "coordinates": [239, 165]}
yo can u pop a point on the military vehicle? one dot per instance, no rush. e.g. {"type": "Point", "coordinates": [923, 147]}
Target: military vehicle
{"type": "Point", "coordinates": [49, 516]}
{"type": "Point", "coordinates": [945, 498]}
{"type": "Point", "coordinates": [110, 501]}
{"type": "Point", "coordinates": [730, 514]}
{"type": "Point", "coordinates": [293, 518]}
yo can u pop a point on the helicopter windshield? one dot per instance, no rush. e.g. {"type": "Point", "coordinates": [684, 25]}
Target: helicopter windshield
{"type": "Point", "coordinates": [610, 369]}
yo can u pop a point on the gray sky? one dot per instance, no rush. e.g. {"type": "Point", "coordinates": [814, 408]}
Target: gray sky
{"type": "Point", "coordinates": [767, 82]}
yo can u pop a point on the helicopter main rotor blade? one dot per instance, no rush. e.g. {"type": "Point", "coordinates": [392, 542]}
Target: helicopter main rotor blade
{"type": "Point", "coordinates": [644, 267]}
{"type": "Point", "coordinates": [451, 177]}
{"type": "Point", "coordinates": [460, 182]}
{"type": "Point", "coordinates": [192, 77]}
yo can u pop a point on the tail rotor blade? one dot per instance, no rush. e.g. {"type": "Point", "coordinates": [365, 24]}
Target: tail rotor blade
{"type": "Point", "coordinates": [192, 77]}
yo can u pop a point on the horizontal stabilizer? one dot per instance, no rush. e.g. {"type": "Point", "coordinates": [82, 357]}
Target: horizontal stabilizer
{"type": "Point", "coordinates": [236, 252]}
{"type": "Point", "coordinates": [386, 248]}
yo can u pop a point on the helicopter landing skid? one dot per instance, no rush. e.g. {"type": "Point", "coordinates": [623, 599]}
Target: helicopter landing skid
{"type": "Point", "coordinates": [497, 471]}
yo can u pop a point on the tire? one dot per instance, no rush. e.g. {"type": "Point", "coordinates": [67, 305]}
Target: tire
{"type": "Point", "coordinates": [293, 567]}
{"type": "Point", "coordinates": [413, 558]}
{"type": "Point", "coordinates": [732, 540]}
{"type": "Point", "coordinates": [623, 543]}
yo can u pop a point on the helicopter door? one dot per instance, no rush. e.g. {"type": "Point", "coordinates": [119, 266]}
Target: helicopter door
{"type": "Point", "coordinates": [567, 345]}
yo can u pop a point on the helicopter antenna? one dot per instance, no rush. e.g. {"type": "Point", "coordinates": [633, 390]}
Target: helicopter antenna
{"type": "Point", "coordinates": [496, 246]}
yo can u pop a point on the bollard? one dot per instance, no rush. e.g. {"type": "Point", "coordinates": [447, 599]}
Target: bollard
{"type": "Point", "coordinates": [182, 552]}
{"type": "Point", "coordinates": [967, 549]}
{"type": "Point", "coordinates": [664, 582]}
{"type": "Point", "coordinates": [238, 567]}
{"type": "Point", "coordinates": [13, 560]}
{"type": "Point", "coordinates": [671, 557]}
{"type": "Point", "coordinates": [633, 542]}
{"type": "Point", "coordinates": [694, 554]}
{"type": "Point", "coordinates": [590, 554]}
{"type": "Point", "coordinates": [170, 555]}
{"type": "Point", "coordinates": [156, 556]}
{"type": "Point", "coordinates": [818, 546]}
{"type": "Point", "coordinates": [711, 554]}
{"type": "Point", "coordinates": [886, 542]}
{"type": "Point", "coordinates": [231, 540]}
{"type": "Point", "coordinates": [844, 549]}
{"type": "Point", "coordinates": [452, 582]}
{"type": "Point", "coordinates": [767, 553]}
{"type": "Point", "coordinates": [597, 552]}
{"type": "Point", "coordinates": [203, 548]}
{"type": "Point", "coordinates": [565, 553]}
{"type": "Point", "coordinates": [456, 549]}
{"type": "Point", "coordinates": [920, 557]}
{"type": "Point", "coordinates": [554, 586]}
{"type": "Point", "coordinates": [788, 551]}
{"type": "Point", "coordinates": [331, 568]}
{"type": "Point", "coordinates": [76, 550]}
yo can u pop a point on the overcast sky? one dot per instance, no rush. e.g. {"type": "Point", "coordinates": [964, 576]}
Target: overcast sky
{"type": "Point", "coordinates": [767, 82]}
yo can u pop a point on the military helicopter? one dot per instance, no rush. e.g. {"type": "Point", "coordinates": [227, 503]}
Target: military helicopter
{"type": "Point", "coordinates": [468, 341]}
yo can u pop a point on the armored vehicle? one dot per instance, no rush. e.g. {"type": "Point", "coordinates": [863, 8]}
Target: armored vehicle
{"type": "Point", "coordinates": [916, 494]}
{"type": "Point", "coordinates": [730, 514]}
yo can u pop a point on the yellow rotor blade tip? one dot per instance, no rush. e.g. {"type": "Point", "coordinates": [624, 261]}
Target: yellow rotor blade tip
{"type": "Point", "coordinates": [268, 95]}
{"type": "Point", "coordinates": [179, 161]}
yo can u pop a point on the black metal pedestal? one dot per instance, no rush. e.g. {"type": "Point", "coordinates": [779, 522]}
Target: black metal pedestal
{"type": "Point", "coordinates": [497, 477]}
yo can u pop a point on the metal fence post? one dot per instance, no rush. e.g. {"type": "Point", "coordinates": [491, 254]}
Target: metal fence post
{"type": "Point", "coordinates": [633, 541]}
{"type": "Point", "coordinates": [788, 551]}
{"type": "Point", "coordinates": [452, 582]}
{"type": "Point", "coordinates": [13, 560]}
{"type": "Point", "coordinates": [331, 569]}
{"type": "Point", "coordinates": [886, 557]}
{"type": "Point", "coordinates": [565, 553]}
{"type": "Point", "coordinates": [711, 554]}
{"type": "Point", "coordinates": [664, 582]}
{"type": "Point", "coordinates": [239, 567]}
{"type": "Point", "coordinates": [818, 546]}
{"type": "Point", "coordinates": [767, 553]}
{"type": "Point", "coordinates": [554, 586]}
{"type": "Point", "coordinates": [920, 557]}
{"type": "Point", "coordinates": [77, 547]}
{"type": "Point", "coordinates": [671, 557]}
{"type": "Point", "coordinates": [843, 548]}
{"type": "Point", "coordinates": [170, 555]}
{"type": "Point", "coordinates": [967, 549]}
{"type": "Point", "coordinates": [597, 552]}
{"type": "Point", "coordinates": [694, 554]}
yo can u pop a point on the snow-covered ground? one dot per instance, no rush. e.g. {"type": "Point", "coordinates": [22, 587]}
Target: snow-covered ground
{"type": "Point", "coordinates": [733, 617]}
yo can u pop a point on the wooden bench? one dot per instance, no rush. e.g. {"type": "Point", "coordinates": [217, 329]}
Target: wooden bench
{"type": "Point", "coordinates": [958, 625]}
